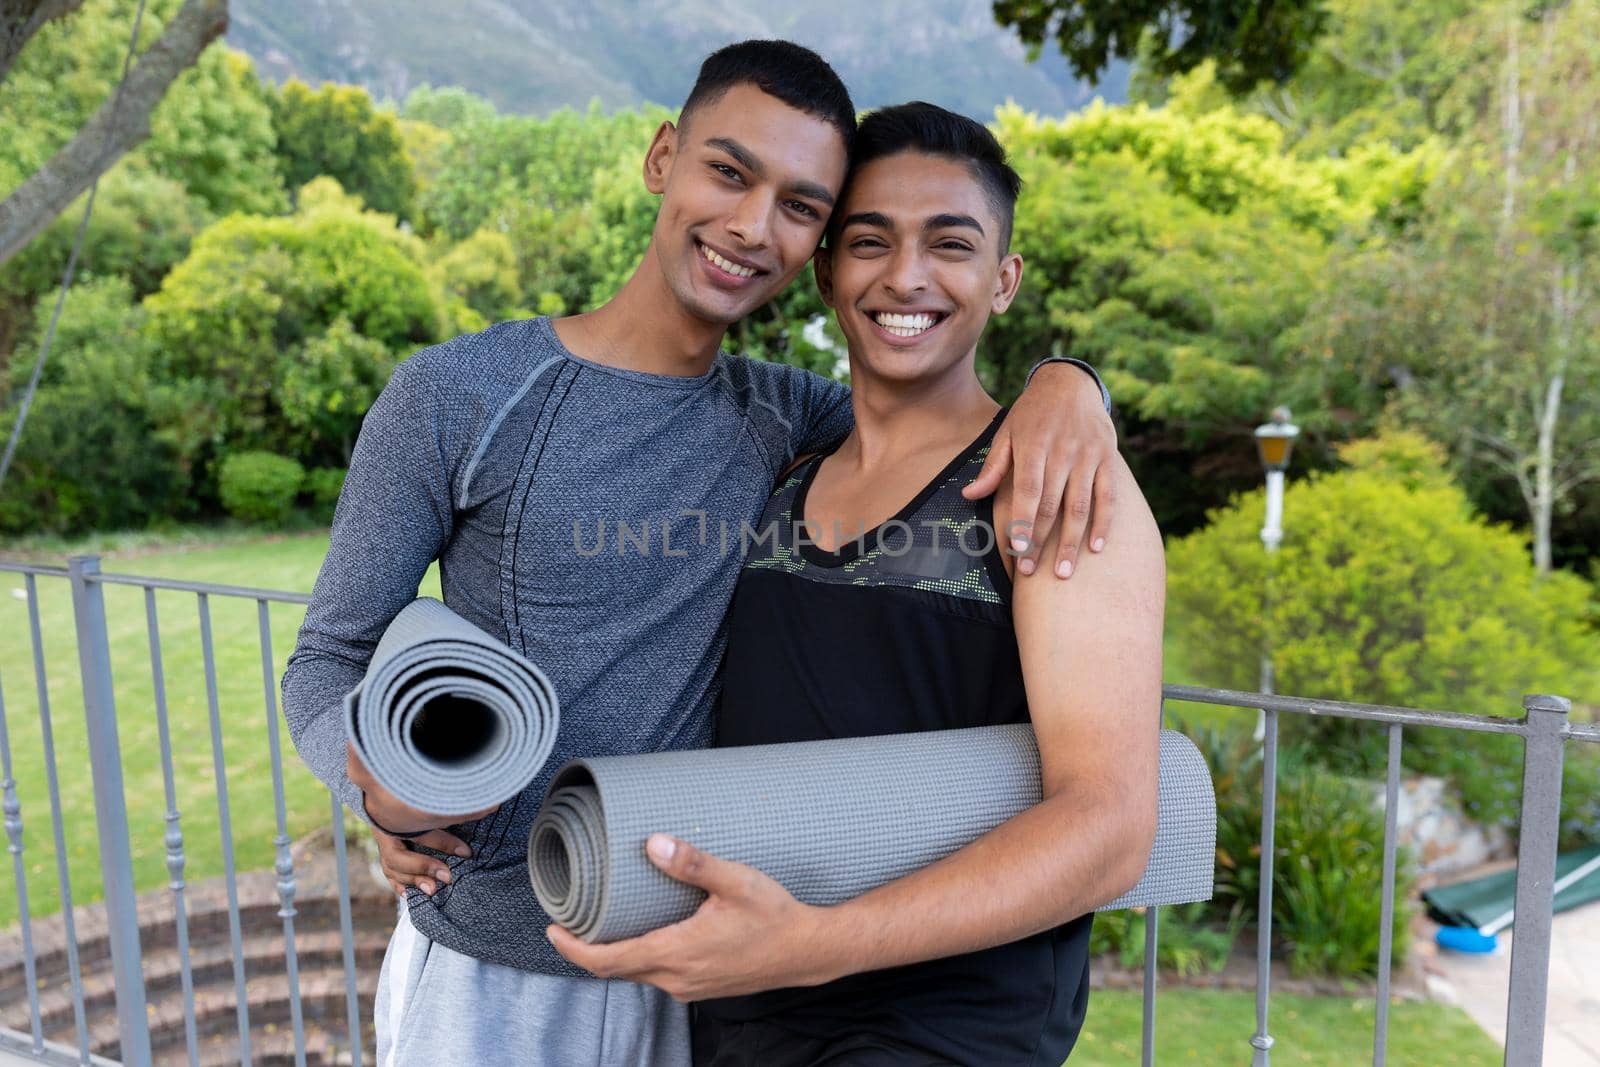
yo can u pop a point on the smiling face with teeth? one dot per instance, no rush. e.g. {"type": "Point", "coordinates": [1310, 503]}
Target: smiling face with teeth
{"type": "Point", "coordinates": [914, 270]}
{"type": "Point", "coordinates": [747, 185]}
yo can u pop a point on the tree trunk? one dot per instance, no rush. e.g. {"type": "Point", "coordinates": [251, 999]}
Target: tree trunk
{"type": "Point", "coordinates": [1511, 128]}
{"type": "Point", "coordinates": [1543, 477]}
{"type": "Point", "coordinates": [120, 124]}
{"type": "Point", "coordinates": [21, 19]}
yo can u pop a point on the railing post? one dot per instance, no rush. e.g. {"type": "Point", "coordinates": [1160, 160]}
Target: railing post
{"type": "Point", "coordinates": [1538, 831]}
{"type": "Point", "coordinates": [1261, 1041]}
{"type": "Point", "coordinates": [110, 806]}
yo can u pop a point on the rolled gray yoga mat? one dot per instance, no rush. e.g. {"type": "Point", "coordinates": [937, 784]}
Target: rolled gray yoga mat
{"type": "Point", "coordinates": [829, 820]}
{"type": "Point", "coordinates": [448, 718]}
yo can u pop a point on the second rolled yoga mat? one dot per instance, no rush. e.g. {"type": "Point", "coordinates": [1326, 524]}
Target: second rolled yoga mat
{"type": "Point", "coordinates": [829, 820]}
{"type": "Point", "coordinates": [448, 718]}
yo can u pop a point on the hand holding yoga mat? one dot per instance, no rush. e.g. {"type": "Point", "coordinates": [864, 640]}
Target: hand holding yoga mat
{"type": "Point", "coordinates": [828, 820]}
{"type": "Point", "coordinates": [448, 719]}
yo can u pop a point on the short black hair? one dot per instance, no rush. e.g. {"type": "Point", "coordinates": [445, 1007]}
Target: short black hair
{"type": "Point", "coordinates": [931, 129]}
{"type": "Point", "coordinates": [790, 72]}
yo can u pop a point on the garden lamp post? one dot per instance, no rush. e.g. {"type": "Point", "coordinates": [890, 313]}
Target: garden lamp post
{"type": "Point", "coordinates": [1274, 442]}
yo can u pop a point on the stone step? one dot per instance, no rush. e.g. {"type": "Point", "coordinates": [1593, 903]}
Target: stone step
{"type": "Point", "coordinates": [211, 964]}
{"type": "Point", "coordinates": [206, 909]}
{"type": "Point", "coordinates": [322, 1004]}
{"type": "Point", "coordinates": [319, 953]}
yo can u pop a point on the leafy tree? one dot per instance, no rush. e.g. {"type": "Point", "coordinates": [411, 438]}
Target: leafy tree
{"type": "Point", "coordinates": [142, 224]}
{"type": "Point", "coordinates": [336, 131]}
{"type": "Point", "coordinates": [1379, 74]}
{"type": "Point", "coordinates": [497, 165]}
{"type": "Point", "coordinates": [554, 253]}
{"type": "Point", "coordinates": [97, 339]}
{"type": "Point", "coordinates": [1487, 321]}
{"type": "Point", "coordinates": [427, 148]}
{"type": "Point", "coordinates": [324, 388]}
{"type": "Point", "coordinates": [224, 348]}
{"type": "Point", "coordinates": [448, 107]}
{"type": "Point", "coordinates": [49, 185]}
{"type": "Point", "coordinates": [479, 277]}
{"type": "Point", "coordinates": [90, 457]}
{"type": "Point", "coordinates": [87, 461]}
{"type": "Point", "coordinates": [623, 214]}
{"type": "Point", "coordinates": [1388, 589]}
{"type": "Point", "coordinates": [1250, 42]}
{"type": "Point", "coordinates": [209, 151]}
{"type": "Point", "coordinates": [1174, 251]}
{"type": "Point", "coordinates": [214, 133]}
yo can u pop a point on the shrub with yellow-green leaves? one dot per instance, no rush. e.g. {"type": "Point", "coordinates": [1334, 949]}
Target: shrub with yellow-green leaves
{"type": "Point", "coordinates": [1388, 589]}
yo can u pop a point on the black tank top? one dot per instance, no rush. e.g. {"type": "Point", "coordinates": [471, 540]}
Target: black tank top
{"type": "Point", "coordinates": [907, 627]}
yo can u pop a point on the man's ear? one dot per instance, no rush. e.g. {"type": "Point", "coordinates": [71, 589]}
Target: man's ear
{"type": "Point", "coordinates": [1006, 286]}
{"type": "Point", "coordinates": [658, 160]}
{"type": "Point", "coordinates": [822, 267]}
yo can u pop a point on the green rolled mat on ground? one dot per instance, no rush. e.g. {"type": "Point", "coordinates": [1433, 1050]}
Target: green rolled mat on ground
{"type": "Point", "coordinates": [448, 718]}
{"type": "Point", "coordinates": [829, 820]}
{"type": "Point", "coordinates": [1480, 901]}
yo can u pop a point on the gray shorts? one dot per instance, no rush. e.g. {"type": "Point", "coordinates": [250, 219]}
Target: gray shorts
{"type": "Point", "coordinates": [436, 1006]}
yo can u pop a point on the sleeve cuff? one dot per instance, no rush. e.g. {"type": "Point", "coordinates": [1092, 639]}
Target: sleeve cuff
{"type": "Point", "coordinates": [1105, 394]}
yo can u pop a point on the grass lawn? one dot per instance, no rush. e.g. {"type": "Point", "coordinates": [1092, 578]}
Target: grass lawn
{"type": "Point", "coordinates": [288, 563]}
{"type": "Point", "coordinates": [1206, 1026]}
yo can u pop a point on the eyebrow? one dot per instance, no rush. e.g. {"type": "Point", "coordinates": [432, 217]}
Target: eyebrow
{"type": "Point", "coordinates": [747, 159]}
{"type": "Point", "coordinates": [940, 222]}
{"type": "Point", "coordinates": [937, 222]}
{"type": "Point", "coordinates": [869, 218]}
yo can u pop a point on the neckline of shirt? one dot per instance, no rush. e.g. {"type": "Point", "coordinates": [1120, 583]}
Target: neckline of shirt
{"type": "Point", "coordinates": [669, 381]}
{"type": "Point", "coordinates": [848, 551]}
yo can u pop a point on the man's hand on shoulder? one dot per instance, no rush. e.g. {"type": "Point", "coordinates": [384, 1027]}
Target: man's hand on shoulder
{"type": "Point", "coordinates": [1057, 442]}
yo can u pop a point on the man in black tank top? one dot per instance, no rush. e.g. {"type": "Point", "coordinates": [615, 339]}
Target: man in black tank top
{"type": "Point", "coordinates": [868, 617]}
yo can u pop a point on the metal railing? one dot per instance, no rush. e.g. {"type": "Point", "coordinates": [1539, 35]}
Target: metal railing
{"type": "Point", "coordinates": [122, 922]}
{"type": "Point", "coordinates": [1545, 730]}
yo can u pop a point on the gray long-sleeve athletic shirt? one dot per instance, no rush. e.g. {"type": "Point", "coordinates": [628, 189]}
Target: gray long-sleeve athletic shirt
{"type": "Point", "coordinates": [593, 519]}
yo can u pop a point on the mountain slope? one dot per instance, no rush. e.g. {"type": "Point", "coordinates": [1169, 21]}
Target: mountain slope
{"type": "Point", "coordinates": [534, 56]}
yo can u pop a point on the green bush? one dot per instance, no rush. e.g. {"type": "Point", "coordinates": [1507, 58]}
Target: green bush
{"type": "Point", "coordinates": [479, 278]}
{"type": "Point", "coordinates": [323, 390]}
{"type": "Point", "coordinates": [263, 362]}
{"type": "Point", "coordinates": [88, 460]}
{"type": "Point", "coordinates": [259, 486]}
{"type": "Point", "coordinates": [323, 487]}
{"type": "Point", "coordinates": [1188, 941]}
{"type": "Point", "coordinates": [1327, 858]}
{"type": "Point", "coordinates": [91, 455]}
{"type": "Point", "coordinates": [336, 130]}
{"type": "Point", "coordinates": [1388, 589]}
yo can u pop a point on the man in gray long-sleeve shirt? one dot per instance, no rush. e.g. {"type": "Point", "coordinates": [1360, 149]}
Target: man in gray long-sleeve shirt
{"type": "Point", "coordinates": [583, 483]}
